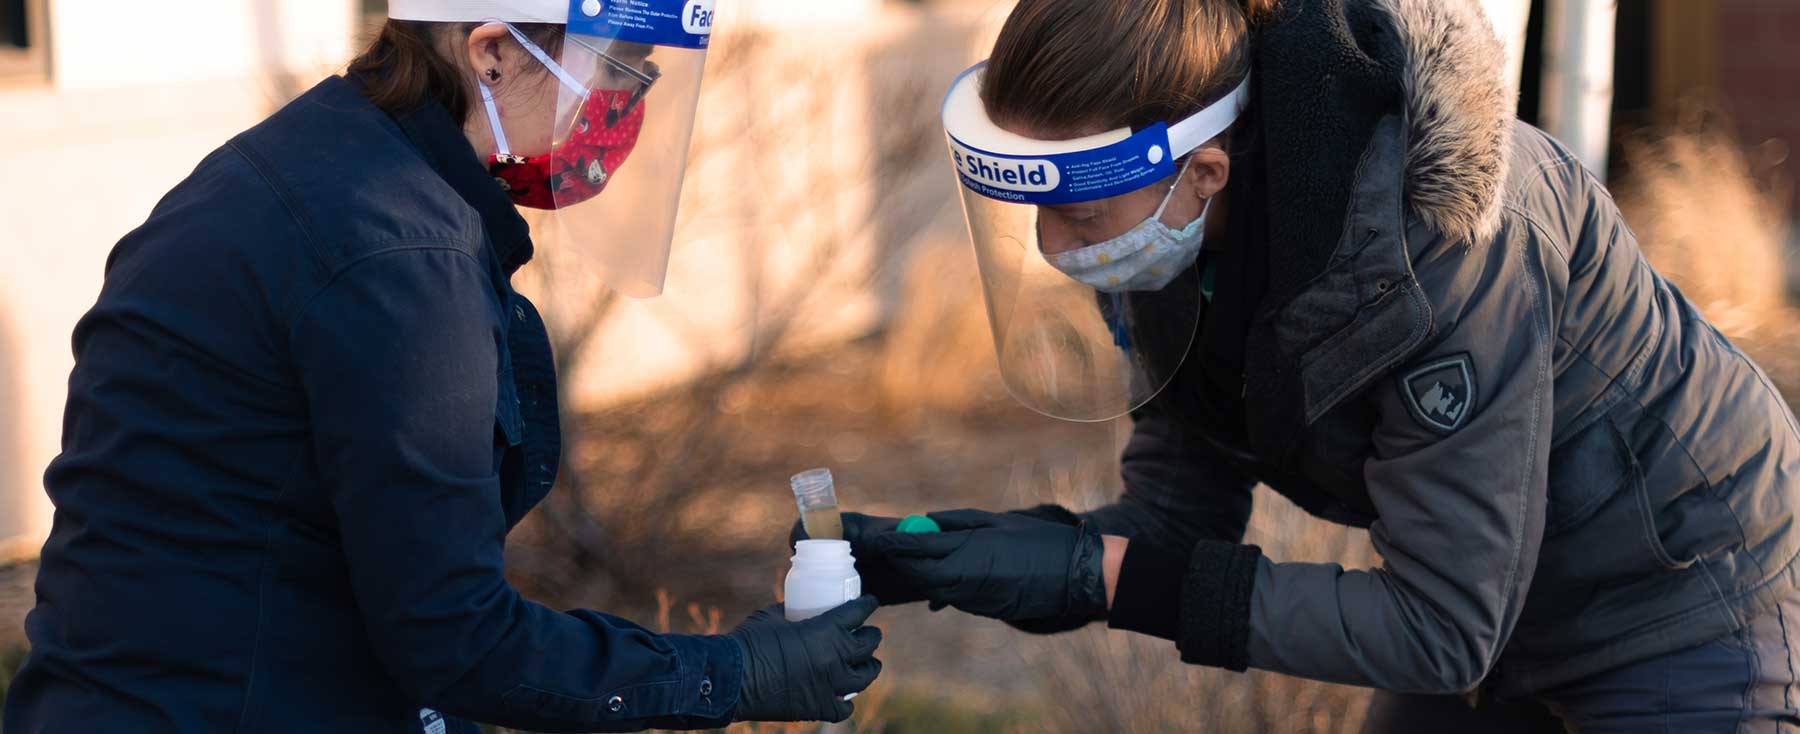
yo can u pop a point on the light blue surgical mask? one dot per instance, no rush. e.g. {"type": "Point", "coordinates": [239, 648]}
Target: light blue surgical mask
{"type": "Point", "coordinates": [1145, 258]}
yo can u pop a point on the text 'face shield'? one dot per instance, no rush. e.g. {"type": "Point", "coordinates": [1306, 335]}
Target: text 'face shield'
{"type": "Point", "coordinates": [1066, 348]}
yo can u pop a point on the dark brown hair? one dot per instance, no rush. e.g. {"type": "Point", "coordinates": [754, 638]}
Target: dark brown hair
{"type": "Point", "coordinates": [404, 67]}
{"type": "Point", "coordinates": [1070, 67]}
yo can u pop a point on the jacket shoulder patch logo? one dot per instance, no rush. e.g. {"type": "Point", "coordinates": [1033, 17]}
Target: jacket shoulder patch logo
{"type": "Point", "coordinates": [1441, 394]}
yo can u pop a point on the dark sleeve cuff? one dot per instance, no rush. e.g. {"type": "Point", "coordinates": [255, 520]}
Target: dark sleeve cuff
{"type": "Point", "coordinates": [712, 673]}
{"type": "Point", "coordinates": [1215, 604]}
{"type": "Point", "coordinates": [1147, 597]}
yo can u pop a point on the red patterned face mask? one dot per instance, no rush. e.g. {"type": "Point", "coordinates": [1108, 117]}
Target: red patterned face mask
{"type": "Point", "coordinates": [606, 129]}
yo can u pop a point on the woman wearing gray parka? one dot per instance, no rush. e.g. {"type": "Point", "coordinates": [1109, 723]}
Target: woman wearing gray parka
{"type": "Point", "coordinates": [1419, 316]}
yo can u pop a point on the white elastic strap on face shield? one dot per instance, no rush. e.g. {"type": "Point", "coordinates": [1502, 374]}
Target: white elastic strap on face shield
{"type": "Point", "coordinates": [1208, 123]}
{"type": "Point", "coordinates": [466, 11]}
{"type": "Point", "coordinates": [567, 79]}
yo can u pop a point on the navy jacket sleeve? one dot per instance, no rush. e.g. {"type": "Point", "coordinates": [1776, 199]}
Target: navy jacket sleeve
{"type": "Point", "coordinates": [399, 358]}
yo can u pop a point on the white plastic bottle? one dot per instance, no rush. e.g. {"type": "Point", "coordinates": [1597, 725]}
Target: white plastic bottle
{"type": "Point", "coordinates": [822, 577]}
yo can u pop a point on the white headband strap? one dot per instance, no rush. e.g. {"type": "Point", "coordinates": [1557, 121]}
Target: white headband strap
{"type": "Point", "coordinates": [1206, 124]}
{"type": "Point", "coordinates": [562, 74]}
{"type": "Point", "coordinates": [475, 11]}
{"type": "Point", "coordinates": [965, 118]}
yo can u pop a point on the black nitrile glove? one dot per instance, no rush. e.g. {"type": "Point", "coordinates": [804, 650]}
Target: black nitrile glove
{"type": "Point", "coordinates": [1007, 566]}
{"type": "Point", "coordinates": [878, 579]}
{"type": "Point", "coordinates": [801, 671]}
{"type": "Point", "coordinates": [1052, 625]}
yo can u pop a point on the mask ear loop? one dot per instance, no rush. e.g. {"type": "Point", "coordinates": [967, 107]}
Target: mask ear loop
{"type": "Point", "coordinates": [493, 114]}
{"type": "Point", "coordinates": [562, 75]}
{"type": "Point", "coordinates": [487, 94]}
{"type": "Point", "coordinates": [1171, 195]}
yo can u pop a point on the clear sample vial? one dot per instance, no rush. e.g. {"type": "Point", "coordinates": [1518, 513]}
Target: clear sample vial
{"type": "Point", "coordinates": [817, 499]}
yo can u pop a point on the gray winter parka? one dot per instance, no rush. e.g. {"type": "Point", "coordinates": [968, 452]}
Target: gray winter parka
{"type": "Point", "coordinates": [1562, 465]}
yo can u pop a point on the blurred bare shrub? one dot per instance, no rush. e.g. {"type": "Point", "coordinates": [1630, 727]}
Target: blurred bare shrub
{"type": "Point", "coordinates": [938, 355]}
{"type": "Point", "coordinates": [12, 657]}
{"type": "Point", "coordinates": [1705, 216]}
{"type": "Point", "coordinates": [1104, 680]}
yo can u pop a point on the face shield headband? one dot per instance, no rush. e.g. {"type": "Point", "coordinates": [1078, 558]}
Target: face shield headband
{"type": "Point", "coordinates": [1008, 167]}
{"type": "Point", "coordinates": [1064, 320]}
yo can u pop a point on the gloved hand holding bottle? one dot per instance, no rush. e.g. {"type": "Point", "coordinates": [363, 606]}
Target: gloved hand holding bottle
{"type": "Point", "coordinates": [878, 579]}
{"type": "Point", "coordinates": [802, 671]}
{"type": "Point", "coordinates": [1009, 566]}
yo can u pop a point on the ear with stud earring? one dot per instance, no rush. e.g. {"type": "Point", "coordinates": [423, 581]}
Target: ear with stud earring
{"type": "Point", "coordinates": [493, 75]}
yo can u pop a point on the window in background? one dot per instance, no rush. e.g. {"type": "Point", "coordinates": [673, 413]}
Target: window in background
{"type": "Point", "coordinates": [13, 32]}
{"type": "Point", "coordinates": [24, 45]}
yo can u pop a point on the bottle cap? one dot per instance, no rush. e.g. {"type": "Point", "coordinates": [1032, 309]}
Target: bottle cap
{"type": "Point", "coordinates": [918, 524]}
{"type": "Point", "coordinates": [822, 550]}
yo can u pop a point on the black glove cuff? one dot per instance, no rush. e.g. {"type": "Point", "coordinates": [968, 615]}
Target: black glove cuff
{"type": "Point", "coordinates": [1087, 576]}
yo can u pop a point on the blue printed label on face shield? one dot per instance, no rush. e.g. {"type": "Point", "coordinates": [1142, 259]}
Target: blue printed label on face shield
{"type": "Point", "coordinates": [1020, 175]}
{"type": "Point", "coordinates": [676, 23]}
{"type": "Point", "coordinates": [1065, 178]}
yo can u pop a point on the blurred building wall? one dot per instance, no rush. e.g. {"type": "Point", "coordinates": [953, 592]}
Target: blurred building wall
{"type": "Point", "coordinates": [135, 95]}
{"type": "Point", "coordinates": [1758, 70]}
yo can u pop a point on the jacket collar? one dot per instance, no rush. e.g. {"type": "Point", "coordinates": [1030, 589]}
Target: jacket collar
{"type": "Point", "coordinates": [442, 143]}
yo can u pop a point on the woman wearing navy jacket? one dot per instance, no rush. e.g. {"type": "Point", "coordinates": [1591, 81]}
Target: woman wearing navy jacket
{"type": "Point", "coordinates": [308, 406]}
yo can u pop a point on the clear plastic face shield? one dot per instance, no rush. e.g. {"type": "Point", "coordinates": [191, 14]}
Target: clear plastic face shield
{"type": "Point", "coordinates": [1076, 266]}
{"type": "Point", "coordinates": [629, 76]}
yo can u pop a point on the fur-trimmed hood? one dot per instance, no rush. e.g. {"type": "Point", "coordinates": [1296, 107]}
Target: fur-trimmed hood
{"type": "Point", "coordinates": [1459, 112]}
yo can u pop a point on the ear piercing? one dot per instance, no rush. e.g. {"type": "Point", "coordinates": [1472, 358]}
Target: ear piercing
{"type": "Point", "coordinates": [493, 75]}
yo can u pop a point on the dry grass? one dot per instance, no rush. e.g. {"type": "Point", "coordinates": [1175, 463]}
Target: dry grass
{"type": "Point", "coordinates": [1705, 211]}
{"type": "Point", "coordinates": [1705, 221]}
{"type": "Point", "coordinates": [12, 655]}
